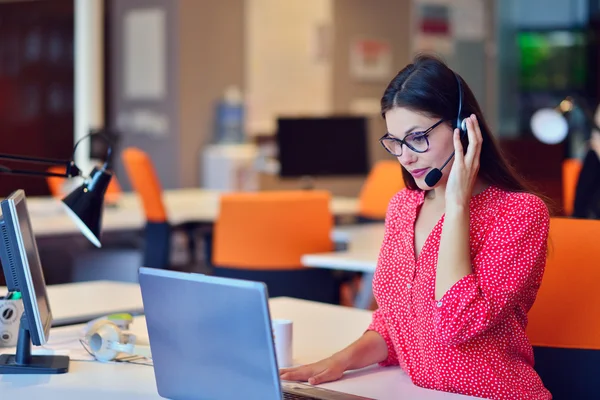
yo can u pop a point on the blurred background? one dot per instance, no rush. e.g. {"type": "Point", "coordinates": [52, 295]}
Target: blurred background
{"type": "Point", "coordinates": [263, 95]}
{"type": "Point", "coordinates": [244, 138]}
{"type": "Point", "coordinates": [154, 72]}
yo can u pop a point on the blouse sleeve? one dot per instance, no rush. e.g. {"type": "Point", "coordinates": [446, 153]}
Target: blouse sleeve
{"type": "Point", "coordinates": [379, 325]}
{"type": "Point", "coordinates": [507, 272]}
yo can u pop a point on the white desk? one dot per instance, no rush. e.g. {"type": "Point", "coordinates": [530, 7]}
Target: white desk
{"type": "Point", "coordinates": [319, 330]}
{"type": "Point", "coordinates": [183, 205]}
{"type": "Point", "coordinates": [363, 245]}
{"type": "Point", "coordinates": [75, 303]}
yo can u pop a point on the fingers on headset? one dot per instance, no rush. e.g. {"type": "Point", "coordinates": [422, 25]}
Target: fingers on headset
{"type": "Point", "coordinates": [474, 142]}
{"type": "Point", "coordinates": [458, 147]}
{"type": "Point", "coordinates": [478, 137]}
{"type": "Point", "coordinates": [477, 129]}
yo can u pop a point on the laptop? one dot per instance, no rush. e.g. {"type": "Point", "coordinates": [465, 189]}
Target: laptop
{"type": "Point", "coordinates": [211, 338]}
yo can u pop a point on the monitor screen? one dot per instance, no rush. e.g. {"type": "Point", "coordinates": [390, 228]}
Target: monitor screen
{"type": "Point", "coordinates": [22, 266]}
{"type": "Point", "coordinates": [328, 146]}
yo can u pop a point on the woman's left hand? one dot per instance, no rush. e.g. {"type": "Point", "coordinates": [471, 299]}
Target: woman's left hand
{"type": "Point", "coordinates": [464, 170]}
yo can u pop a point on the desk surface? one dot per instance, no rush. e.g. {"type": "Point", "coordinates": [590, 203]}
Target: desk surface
{"type": "Point", "coordinates": [75, 303]}
{"type": "Point", "coordinates": [364, 242]}
{"type": "Point", "coordinates": [338, 327]}
{"type": "Point", "coordinates": [183, 205]}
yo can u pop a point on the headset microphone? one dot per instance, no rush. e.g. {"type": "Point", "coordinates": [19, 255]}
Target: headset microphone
{"type": "Point", "coordinates": [434, 176]}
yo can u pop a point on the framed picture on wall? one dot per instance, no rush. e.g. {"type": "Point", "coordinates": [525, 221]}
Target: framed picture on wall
{"type": "Point", "coordinates": [370, 60]}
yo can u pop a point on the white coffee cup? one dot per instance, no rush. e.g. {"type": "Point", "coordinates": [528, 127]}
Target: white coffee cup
{"type": "Point", "coordinates": [282, 335]}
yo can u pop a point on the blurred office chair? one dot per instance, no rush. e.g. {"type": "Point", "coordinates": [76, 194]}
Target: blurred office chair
{"type": "Point", "coordinates": [564, 322]}
{"type": "Point", "coordinates": [261, 236]}
{"type": "Point", "coordinates": [158, 230]}
{"type": "Point", "coordinates": [382, 183]}
{"type": "Point", "coordinates": [571, 168]}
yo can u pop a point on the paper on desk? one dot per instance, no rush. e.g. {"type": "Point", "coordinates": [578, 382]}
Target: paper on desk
{"type": "Point", "coordinates": [73, 349]}
{"type": "Point", "coordinates": [65, 342]}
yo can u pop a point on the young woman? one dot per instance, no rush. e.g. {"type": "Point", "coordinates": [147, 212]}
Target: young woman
{"type": "Point", "coordinates": [461, 262]}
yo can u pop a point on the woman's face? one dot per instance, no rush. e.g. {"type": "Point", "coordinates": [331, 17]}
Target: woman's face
{"type": "Point", "coordinates": [402, 122]}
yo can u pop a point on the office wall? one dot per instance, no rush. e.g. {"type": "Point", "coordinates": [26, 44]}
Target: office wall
{"type": "Point", "coordinates": [211, 57]}
{"type": "Point", "coordinates": [206, 53]}
{"type": "Point", "coordinates": [143, 94]}
{"type": "Point", "coordinates": [386, 20]}
{"type": "Point", "coordinates": [288, 65]}
{"type": "Point", "coordinates": [202, 55]}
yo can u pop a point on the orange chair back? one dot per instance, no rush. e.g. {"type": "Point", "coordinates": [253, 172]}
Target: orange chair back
{"type": "Point", "coordinates": [382, 183]}
{"type": "Point", "coordinates": [566, 312]}
{"type": "Point", "coordinates": [570, 174]}
{"type": "Point", "coordinates": [271, 230]}
{"type": "Point", "coordinates": [145, 182]}
{"type": "Point", "coordinates": [55, 185]}
{"type": "Point", "coordinates": [113, 191]}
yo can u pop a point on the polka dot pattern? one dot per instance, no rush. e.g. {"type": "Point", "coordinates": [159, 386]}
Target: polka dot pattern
{"type": "Point", "coordinates": [472, 341]}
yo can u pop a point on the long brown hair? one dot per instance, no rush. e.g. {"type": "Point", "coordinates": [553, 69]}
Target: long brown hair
{"type": "Point", "coordinates": [429, 87]}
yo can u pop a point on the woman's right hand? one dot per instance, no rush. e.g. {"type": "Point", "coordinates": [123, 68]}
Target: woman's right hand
{"type": "Point", "coordinates": [327, 370]}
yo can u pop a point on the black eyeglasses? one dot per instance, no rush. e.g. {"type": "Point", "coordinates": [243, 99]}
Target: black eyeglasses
{"type": "Point", "coordinates": [416, 141]}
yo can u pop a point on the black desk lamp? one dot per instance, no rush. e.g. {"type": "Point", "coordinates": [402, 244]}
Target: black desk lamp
{"type": "Point", "coordinates": [86, 203]}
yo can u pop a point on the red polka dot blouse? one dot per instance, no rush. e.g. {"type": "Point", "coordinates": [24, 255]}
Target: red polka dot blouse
{"type": "Point", "coordinates": [472, 341]}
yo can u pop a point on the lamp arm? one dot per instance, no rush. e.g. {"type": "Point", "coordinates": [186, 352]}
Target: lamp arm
{"type": "Point", "coordinates": [70, 167]}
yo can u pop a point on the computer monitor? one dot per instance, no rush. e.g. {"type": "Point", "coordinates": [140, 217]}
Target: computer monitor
{"type": "Point", "coordinates": [323, 146]}
{"type": "Point", "coordinates": [23, 273]}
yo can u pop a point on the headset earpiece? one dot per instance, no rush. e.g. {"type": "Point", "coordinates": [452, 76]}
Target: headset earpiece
{"type": "Point", "coordinates": [463, 126]}
{"type": "Point", "coordinates": [106, 340]}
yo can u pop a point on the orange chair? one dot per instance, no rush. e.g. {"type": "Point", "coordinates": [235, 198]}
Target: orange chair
{"type": "Point", "coordinates": [571, 168]}
{"type": "Point", "coordinates": [382, 183]}
{"type": "Point", "coordinates": [263, 235]}
{"type": "Point", "coordinates": [564, 322]}
{"type": "Point", "coordinates": [55, 185]}
{"type": "Point", "coordinates": [145, 182]}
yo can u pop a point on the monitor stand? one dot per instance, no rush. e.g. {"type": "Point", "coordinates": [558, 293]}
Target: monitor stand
{"type": "Point", "coordinates": [24, 363]}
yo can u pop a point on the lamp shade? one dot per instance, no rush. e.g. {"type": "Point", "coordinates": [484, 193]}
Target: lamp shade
{"type": "Point", "coordinates": [86, 204]}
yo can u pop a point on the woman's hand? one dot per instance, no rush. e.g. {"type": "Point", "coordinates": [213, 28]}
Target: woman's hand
{"type": "Point", "coordinates": [464, 170]}
{"type": "Point", "coordinates": [327, 370]}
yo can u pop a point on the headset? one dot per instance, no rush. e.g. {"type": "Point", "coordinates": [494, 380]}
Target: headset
{"type": "Point", "coordinates": [107, 337]}
{"type": "Point", "coordinates": [434, 176]}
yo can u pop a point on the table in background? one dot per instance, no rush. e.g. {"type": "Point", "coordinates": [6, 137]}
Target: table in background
{"type": "Point", "coordinates": [363, 243]}
{"type": "Point", "coordinates": [75, 303]}
{"type": "Point", "coordinates": [319, 330]}
{"type": "Point", "coordinates": [183, 205]}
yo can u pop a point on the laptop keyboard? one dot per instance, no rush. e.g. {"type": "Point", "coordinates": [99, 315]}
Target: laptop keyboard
{"type": "Point", "coordinates": [292, 396]}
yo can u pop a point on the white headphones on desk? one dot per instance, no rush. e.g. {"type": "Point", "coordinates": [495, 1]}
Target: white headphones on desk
{"type": "Point", "coordinates": [107, 337]}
